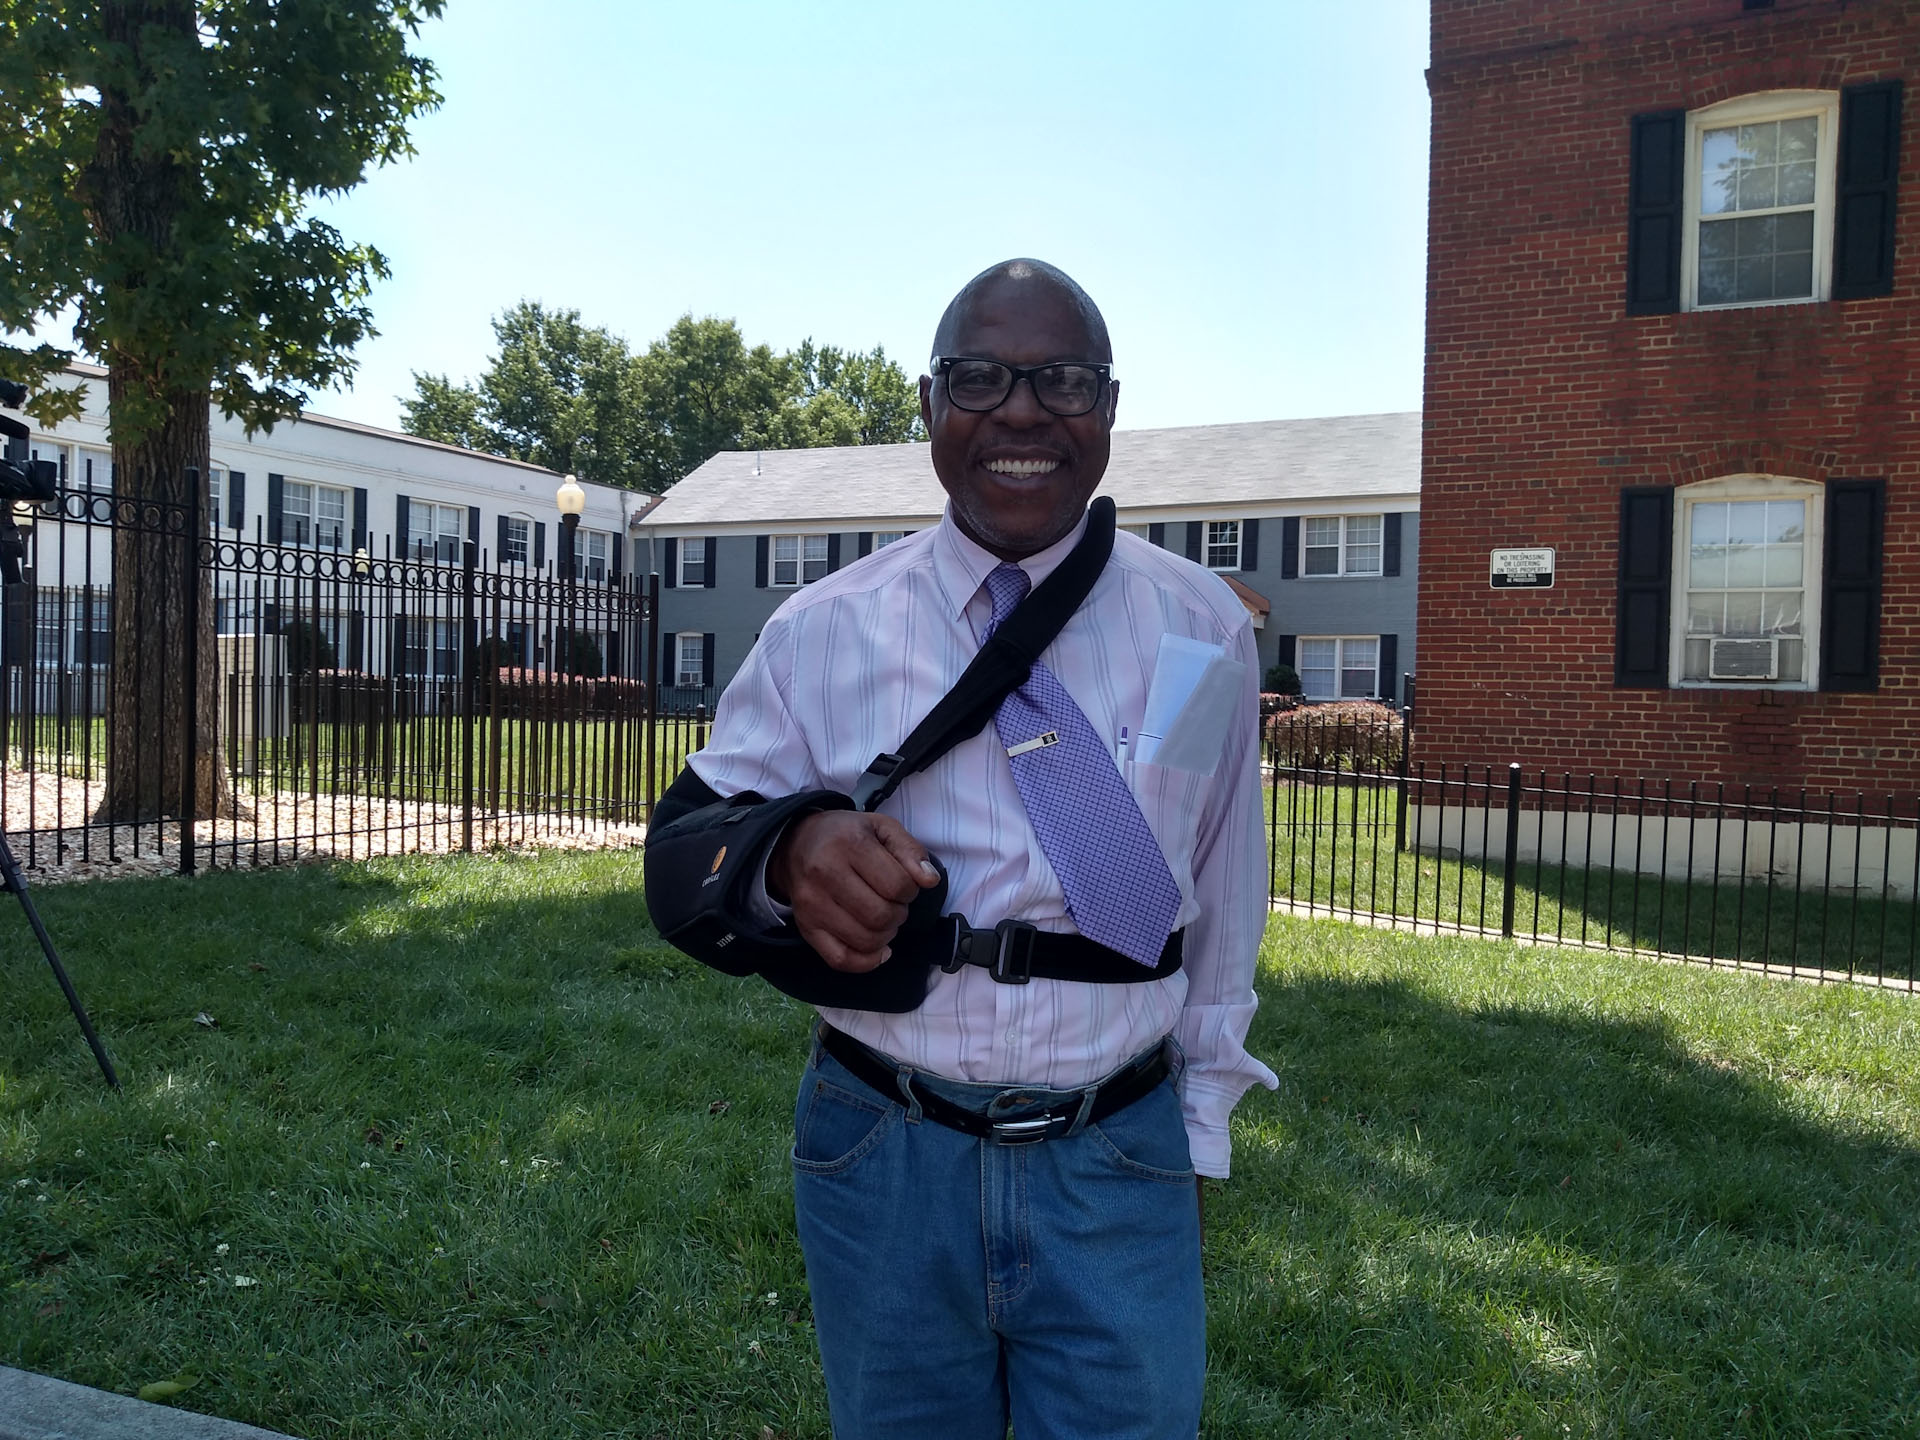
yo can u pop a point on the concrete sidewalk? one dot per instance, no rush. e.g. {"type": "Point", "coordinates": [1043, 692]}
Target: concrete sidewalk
{"type": "Point", "coordinates": [33, 1407]}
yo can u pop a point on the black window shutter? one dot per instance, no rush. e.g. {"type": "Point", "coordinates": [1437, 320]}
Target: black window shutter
{"type": "Point", "coordinates": [669, 657]}
{"type": "Point", "coordinates": [1157, 535]}
{"type": "Point", "coordinates": [1390, 544]}
{"type": "Point", "coordinates": [1850, 604]}
{"type": "Point", "coordinates": [1249, 544]}
{"type": "Point", "coordinates": [500, 545]}
{"type": "Point", "coordinates": [359, 517]}
{"type": "Point", "coordinates": [1194, 529]}
{"type": "Point", "coordinates": [236, 498]}
{"type": "Point", "coordinates": [616, 556]}
{"type": "Point", "coordinates": [539, 544]}
{"type": "Point", "coordinates": [670, 550]}
{"type": "Point", "coordinates": [274, 483]}
{"type": "Point", "coordinates": [760, 562]}
{"type": "Point", "coordinates": [1645, 587]}
{"type": "Point", "coordinates": [1389, 666]}
{"type": "Point", "coordinates": [1283, 649]}
{"type": "Point", "coordinates": [706, 658]}
{"type": "Point", "coordinates": [863, 544]}
{"type": "Point", "coordinates": [473, 524]}
{"type": "Point", "coordinates": [1869, 173]}
{"type": "Point", "coordinates": [400, 527]}
{"type": "Point", "coordinates": [833, 552]}
{"type": "Point", "coordinates": [713, 556]}
{"type": "Point", "coordinates": [1290, 549]}
{"type": "Point", "coordinates": [1656, 191]}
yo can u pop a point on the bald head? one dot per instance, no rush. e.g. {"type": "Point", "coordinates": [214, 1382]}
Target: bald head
{"type": "Point", "coordinates": [1034, 277]}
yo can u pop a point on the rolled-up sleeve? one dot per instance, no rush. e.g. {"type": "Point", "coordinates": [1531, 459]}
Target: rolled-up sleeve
{"type": "Point", "coordinates": [1223, 943]}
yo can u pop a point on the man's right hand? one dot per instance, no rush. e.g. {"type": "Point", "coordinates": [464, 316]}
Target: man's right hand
{"type": "Point", "coordinates": [849, 877]}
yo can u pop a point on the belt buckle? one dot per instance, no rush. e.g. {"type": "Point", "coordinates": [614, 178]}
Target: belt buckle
{"type": "Point", "coordinates": [1022, 1132]}
{"type": "Point", "coordinates": [1013, 952]}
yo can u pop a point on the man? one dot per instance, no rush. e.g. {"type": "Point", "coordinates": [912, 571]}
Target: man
{"type": "Point", "coordinates": [1041, 1265]}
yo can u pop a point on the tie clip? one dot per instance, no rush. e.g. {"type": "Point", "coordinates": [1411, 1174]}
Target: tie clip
{"type": "Point", "coordinates": [1039, 742]}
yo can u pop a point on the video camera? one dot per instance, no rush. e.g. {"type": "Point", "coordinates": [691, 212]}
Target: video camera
{"type": "Point", "coordinates": [21, 478]}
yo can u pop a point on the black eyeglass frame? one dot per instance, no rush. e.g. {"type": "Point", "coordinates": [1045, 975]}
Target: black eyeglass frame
{"type": "Point", "coordinates": [942, 366]}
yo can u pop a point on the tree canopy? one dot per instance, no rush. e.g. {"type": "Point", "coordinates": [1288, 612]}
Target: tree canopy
{"type": "Point", "coordinates": [573, 397]}
{"type": "Point", "coordinates": [156, 158]}
{"type": "Point", "coordinates": [156, 161]}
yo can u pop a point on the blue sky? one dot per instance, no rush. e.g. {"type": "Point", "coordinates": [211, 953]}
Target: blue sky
{"type": "Point", "coordinates": [1242, 187]}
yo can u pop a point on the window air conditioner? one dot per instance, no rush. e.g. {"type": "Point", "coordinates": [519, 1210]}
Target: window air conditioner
{"type": "Point", "coordinates": [1757, 659]}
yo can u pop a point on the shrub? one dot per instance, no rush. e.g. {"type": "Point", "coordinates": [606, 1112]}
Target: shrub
{"type": "Point", "coordinates": [1281, 680]}
{"type": "Point", "coordinates": [1362, 734]}
{"type": "Point", "coordinates": [308, 647]}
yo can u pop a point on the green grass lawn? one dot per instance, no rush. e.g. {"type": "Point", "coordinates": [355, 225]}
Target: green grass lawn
{"type": "Point", "coordinates": [498, 1163]}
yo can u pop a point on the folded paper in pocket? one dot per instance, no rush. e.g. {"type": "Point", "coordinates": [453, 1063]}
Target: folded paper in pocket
{"type": "Point", "coordinates": [1189, 705]}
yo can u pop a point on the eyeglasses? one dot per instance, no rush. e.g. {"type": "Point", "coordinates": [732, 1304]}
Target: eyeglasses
{"type": "Point", "coordinates": [1065, 390]}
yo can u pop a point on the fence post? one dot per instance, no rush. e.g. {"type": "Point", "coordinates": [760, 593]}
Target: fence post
{"type": "Point", "coordinates": [1512, 864]}
{"type": "Point", "coordinates": [650, 677]}
{"type": "Point", "coordinates": [470, 674]}
{"type": "Point", "coordinates": [1400, 784]}
{"type": "Point", "coordinates": [190, 745]}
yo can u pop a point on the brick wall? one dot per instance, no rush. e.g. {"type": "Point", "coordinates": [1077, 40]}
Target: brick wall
{"type": "Point", "coordinates": [1544, 398]}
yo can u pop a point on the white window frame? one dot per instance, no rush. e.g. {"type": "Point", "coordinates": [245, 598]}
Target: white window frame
{"type": "Point", "coordinates": [216, 497]}
{"type": "Point", "coordinates": [93, 470]}
{"type": "Point", "coordinates": [1813, 556]}
{"type": "Point", "coordinates": [693, 563]}
{"type": "Point", "coordinates": [520, 540]}
{"type": "Point", "coordinates": [694, 677]}
{"type": "Point", "coordinates": [1340, 666]}
{"type": "Point", "coordinates": [1747, 110]}
{"type": "Point", "coordinates": [337, 539]}
{"type": "Point", "coordinates": [1221, 545]}
{"type": "Point", "coordinates": [58, 451]}
{"type": "Point", "coordinates": [592, 555]}
{"type": "Point", "coordinates": [433, 541]}
{"type": "Point", "coordinates": [1343, 563]}
{"type": "Point", "coordinates": [803, 555]}
{"type": "Point", "coordinates": [884, 538]}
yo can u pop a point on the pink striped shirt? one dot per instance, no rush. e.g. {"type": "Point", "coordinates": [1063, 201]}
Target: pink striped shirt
{"type": "Point", "coordinates": [847, 667]}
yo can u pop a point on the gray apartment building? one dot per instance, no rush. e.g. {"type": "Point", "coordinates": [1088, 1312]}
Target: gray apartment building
{"type": "Point", "coordinates": [1314, 523]}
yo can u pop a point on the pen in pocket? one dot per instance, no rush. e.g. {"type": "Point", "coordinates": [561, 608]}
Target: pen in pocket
{"type": "Point", "coordinates": [1121, 758]}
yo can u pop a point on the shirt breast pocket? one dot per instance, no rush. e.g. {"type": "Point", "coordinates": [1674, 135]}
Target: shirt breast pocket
{"type": "Point", "coordinates": [1172, 800]}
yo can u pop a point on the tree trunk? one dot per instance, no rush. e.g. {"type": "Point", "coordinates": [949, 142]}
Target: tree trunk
{"type": "Point", "coordinates": [159, 417]}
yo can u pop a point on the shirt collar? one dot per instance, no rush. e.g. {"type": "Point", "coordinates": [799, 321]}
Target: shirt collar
{"type": "Point", "coordinates": [962, 567]}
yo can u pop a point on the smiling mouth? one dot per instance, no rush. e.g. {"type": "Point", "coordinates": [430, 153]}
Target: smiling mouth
{"type": "Point", "coordinates": [1022, 468]}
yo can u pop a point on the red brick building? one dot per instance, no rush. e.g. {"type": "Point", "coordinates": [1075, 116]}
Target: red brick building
{"type": "Point", "coordinates": [1673, 334]}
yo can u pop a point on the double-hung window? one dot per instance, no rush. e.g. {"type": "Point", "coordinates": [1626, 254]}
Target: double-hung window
{"type": "Point", "coordinates": [1223, 544]}
{"type": "Point", "coordinates": [1339, 667]}
{"type": "Point", "coordinates": [590, 551]}
{"type": "Point", "coordinates": [1760, 200]}
{"type": "Point", "coordinates": [313, 515]}
{"type": "Point", "coordinates": [436, 532]}
{"type": "Point", "coordinates": [216, 497]}
{"type": "Point", "coordinates": [884, 538]}
{"type": "Point", "coordinates": [1341, 544]}
{"type": "Point", "coordinates": [693, 562]}
{"type": "Point", "coordinates": [691, 667]}
{"type": "Point", "coordinates": [1747, 561]}
{"type": "Point", "coordinates": [798, 560]}
{"type": "Point", "coordinates": [517, 550]}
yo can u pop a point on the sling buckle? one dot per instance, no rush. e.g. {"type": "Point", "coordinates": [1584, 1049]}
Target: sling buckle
{"type": "Point", "coordinates": [1004, 952]}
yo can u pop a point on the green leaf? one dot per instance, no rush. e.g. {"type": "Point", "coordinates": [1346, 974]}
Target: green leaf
{"type": "Point", "coordinates": [161, 1390]}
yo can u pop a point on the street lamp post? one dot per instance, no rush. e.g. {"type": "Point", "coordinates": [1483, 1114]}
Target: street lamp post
{"type": "Point", "coordinates": [572, 500]}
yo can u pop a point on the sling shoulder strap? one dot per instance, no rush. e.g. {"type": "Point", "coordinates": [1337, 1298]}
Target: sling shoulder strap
{"type": "Point", "coordinates": [1002, 665]}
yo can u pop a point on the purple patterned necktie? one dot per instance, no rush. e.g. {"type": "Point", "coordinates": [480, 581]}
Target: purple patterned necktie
{"type": "Point", "coordinates": [1118, 887]}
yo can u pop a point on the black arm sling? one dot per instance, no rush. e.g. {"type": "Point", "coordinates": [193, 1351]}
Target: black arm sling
{"type": "Point", "coordinates": [702, 852]}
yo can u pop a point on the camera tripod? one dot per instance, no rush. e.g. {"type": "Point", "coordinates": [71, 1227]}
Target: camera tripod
{"type": "Point", "coordinates": [17, 883]}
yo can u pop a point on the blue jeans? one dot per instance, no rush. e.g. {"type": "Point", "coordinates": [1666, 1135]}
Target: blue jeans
{"type": "Point", "coordinates": [958, 1283]}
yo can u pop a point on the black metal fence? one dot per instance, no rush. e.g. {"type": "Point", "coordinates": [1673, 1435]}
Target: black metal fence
{"type": "Point", "coordinates": [1819, 885]}
{"type": "Point", "coordinates": [365, 703]}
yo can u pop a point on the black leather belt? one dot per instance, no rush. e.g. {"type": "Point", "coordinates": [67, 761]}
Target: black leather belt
{"type": "Point", "coordinates": [1013, 952]}
{"type": "Point", "coordinates": [1115, 1094]}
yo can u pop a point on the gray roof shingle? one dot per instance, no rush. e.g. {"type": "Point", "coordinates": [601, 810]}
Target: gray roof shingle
{"type": "Point", "coordinates": [1260, 462]}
